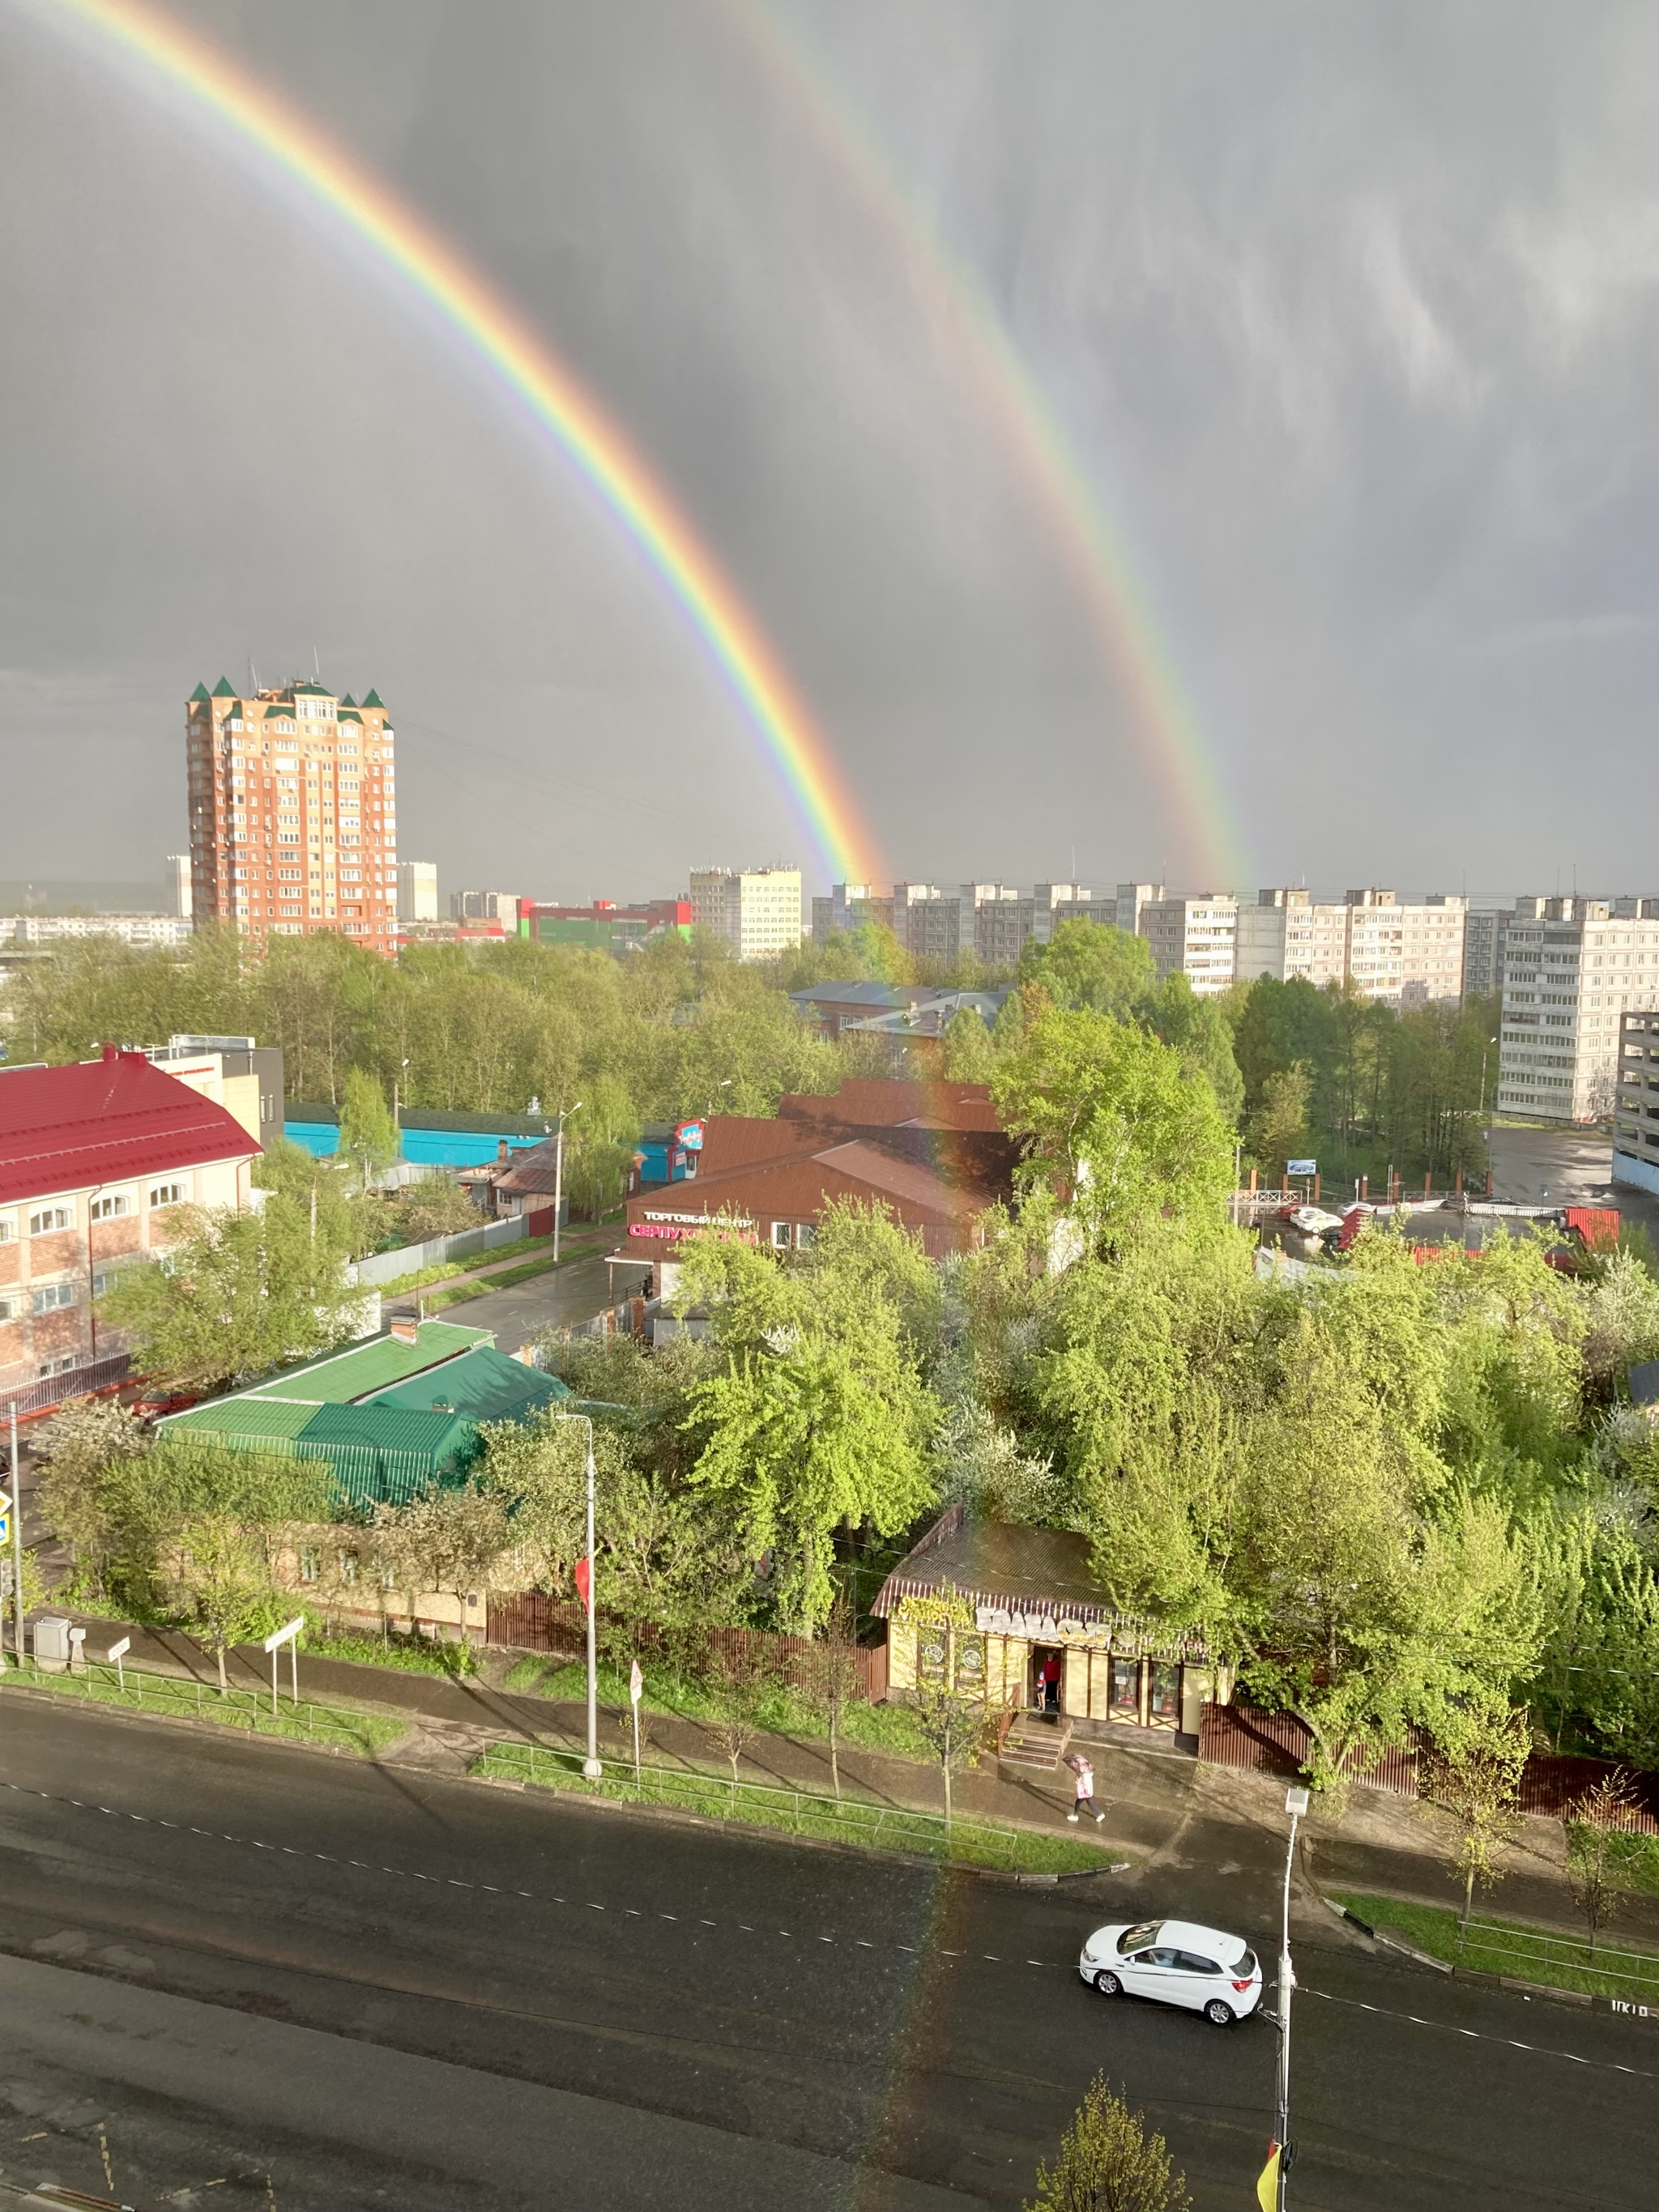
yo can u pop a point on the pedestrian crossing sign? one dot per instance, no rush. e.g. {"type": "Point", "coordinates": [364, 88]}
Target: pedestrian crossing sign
{"type": "Point", "coordinates": [5, 1525]}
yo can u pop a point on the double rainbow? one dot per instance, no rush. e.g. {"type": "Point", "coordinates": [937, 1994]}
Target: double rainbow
{"type": "Point", "coordinates": [525, 362]}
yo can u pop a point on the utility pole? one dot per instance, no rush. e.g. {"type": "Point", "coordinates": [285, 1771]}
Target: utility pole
{"type": "Point", "coordinates": [590, 1767]}
{"type": "Point", "coordinates": [1296, 1804]}
{"type": "Point", "coordinates": [558, 1177]}
{"type": "Point", "coordinates": [17, 1531]}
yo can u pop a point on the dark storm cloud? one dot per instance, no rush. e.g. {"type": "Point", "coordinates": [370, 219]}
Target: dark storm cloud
{"type": "Point", "coordinates": [1349, 315]}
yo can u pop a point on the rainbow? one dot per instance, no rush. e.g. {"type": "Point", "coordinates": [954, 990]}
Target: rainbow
{"type": "Point", "coordinates": [533, 373]}
{"type": "Point", "coordinates": [1093, 544]}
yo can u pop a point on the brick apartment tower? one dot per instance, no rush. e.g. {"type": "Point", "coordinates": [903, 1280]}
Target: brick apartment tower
{"type": "Point", "coordinates": [293, 814]}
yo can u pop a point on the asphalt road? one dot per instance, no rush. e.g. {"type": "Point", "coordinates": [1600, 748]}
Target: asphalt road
{"type": "Point", "coordinates": [435, 1984]}
{"type": "Point", "coordinates": [565, 1294]}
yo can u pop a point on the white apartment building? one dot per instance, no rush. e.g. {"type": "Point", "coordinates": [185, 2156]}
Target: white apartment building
{"type": "Point", "coordinates": [177, 899]}
{"type": "Point", "coordinates": [1573, 969]}
{"type": "Point", "coordinates": [1195, 935]}
{"type": "Point", "coordinates": [143, 932]}
{"type": "Point", "coordinates": [1484, 930]}
{"type": "Point", "coordinates": [1131, 902]}
{"type": "Point", "coordinates": [1405, 953]}
{"type": "Point", "coordinates": [1290, 936]}
{"type": "Point", "coordinates": [418, 890]}
{"type": "Point", "coordinates": [1636, 1101]}
{"type": "Point", "coordinates": [756, 910]}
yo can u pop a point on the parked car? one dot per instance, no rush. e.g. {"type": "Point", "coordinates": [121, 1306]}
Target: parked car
{"type": "Point", "coordinates": [1176, 1962]}
{"type": "Point", "coordinates": [1311, 1220]}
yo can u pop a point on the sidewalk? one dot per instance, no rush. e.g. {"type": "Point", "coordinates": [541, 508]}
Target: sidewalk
{"type": "Point", "coordinates": [582, 1246]}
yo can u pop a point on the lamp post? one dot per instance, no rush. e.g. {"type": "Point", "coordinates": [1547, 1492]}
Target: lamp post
{"type": "Point", "coordinates": [1296, 1804]}
{"type": "Point", "coordinates": [558, 1201]}
{"type": "Point", "coordinates": [16, 1535]}
{"type": "Point", "coordinates": [590, 1767]}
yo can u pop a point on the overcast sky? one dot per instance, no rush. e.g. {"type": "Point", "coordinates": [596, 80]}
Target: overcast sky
{"type": "Point", "coordinates": [1347, 314]}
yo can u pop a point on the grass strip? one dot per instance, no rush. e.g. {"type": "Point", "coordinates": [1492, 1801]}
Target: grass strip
{"type": "Point", "coordinates": [175, 1698]}
{"type": "Point", "coordinates": [1525, 1954]}
{"type": "Point", "coordinates": [858, 1821]}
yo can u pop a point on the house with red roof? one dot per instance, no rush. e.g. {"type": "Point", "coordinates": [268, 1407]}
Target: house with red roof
{"type": "Point", "coordinates": [97, 1161]}
{"type": "Point", "coordinates": [932, 1153]}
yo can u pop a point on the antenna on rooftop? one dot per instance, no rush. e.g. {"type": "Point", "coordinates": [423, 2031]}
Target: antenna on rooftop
{"type": "Point", "coordinates": [316, 665]}
{"type": "Point", "coordinates": [253, 678]}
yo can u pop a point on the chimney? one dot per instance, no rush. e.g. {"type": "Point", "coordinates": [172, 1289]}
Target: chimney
{"type": "Point", "coordinates": [406, 1332]}
{"type": "Point", "coordinates": [501, 1151]}
{"type": "Point", "coordinates": [111, 1052]}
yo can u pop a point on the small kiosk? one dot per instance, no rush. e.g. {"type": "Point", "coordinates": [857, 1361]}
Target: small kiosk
{"type": "Point", "coordinates": [1033, 1601]}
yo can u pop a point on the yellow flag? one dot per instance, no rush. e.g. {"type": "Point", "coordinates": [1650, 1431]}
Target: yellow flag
{"type": "Point", "coordinates": [1266, 2190]}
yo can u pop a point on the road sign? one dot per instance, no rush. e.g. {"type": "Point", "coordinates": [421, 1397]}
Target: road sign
{"type": "Point", "coordinates": [5, 1527]}
{"type": "Point", "coordinates": [1302, 1167]}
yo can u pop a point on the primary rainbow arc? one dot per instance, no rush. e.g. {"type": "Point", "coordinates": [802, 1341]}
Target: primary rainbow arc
{"type": "Point", "coordinates": [529, 367]}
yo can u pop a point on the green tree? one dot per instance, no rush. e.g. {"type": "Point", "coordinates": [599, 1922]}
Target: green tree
{"type": "Point", "coordinates": [1278, 1130]}
{"type": "Point", "coordinates": [217, 1563]}
{"type": "Point", "coordinates": [1199, 1031]}
{"type": "Point", "coordinates": [1108, 2162]}
{"type": "Point", "coordinates": [1090, 964]}
{"type": "Point", "coordinates": [947, 1703]}
{"type": "Point", "coordinates": [831, 1677]}
{"type": "Point", "coordinates": [1477, 1780]}
{"type": "Point", "coordinates": [1597, 1865]}
{"type": "Point", "coordinates": [967, 1054]}
{"type": "Point", "coordinates": [369, 1135]}
{"type": "Point", "coordinates": [78, 1447]}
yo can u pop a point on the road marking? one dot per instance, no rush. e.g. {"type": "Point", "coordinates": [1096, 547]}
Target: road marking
{"type": "Point", "coordinates": [1510, 2042]}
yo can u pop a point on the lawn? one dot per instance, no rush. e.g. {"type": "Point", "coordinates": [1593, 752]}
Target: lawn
{"type": "Point", "coordinates": [666, 1689]}
{"type": "Point", "coordinates": [409, 1654]}
{"type": "Point", "coordinates": [858, 1822]}
{"type": "Point", "coordinates": [1527, 1955]}
{"type": "Point", "coordinates": [177, 1698]}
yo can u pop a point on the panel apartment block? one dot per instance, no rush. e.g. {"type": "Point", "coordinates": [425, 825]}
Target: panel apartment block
{"type": "Point", "coordinates": [292, 813]}
{"type": "Point", "coordinates": [1573, 969]}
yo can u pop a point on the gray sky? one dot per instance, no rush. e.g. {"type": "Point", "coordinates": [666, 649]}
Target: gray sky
{"type": "Point", "coordinates": [1348, 315]}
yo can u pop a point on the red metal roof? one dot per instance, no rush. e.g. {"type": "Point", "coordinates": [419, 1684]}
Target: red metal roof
{"type": "Point", "coordinates": [104, 1121]}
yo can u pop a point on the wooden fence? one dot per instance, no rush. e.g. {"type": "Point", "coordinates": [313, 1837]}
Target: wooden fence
{"type": "Point", "coordinates": [534, 1622]}
{"type": "Point", "coordinates": [1278, 1743]}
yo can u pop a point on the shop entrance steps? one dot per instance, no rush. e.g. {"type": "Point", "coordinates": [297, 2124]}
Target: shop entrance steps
{"type": "Point", "coordinates": [1035, 1745]}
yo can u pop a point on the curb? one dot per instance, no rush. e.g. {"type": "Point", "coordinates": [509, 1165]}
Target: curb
{"type": "Point", "coordinates": [1630, 2009]}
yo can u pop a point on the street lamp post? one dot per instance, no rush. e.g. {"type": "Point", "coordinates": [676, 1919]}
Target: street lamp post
{"type": "Point", "coordinates": [590, 1767]}
{"type": "Point", "coordinates": [1296, 1804]}
{"type": "Point", "coordinates": [558, 1183]}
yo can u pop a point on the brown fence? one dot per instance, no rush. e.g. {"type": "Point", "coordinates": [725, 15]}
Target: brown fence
{"type": "Point", "coordinates": [534, 1622]}
{"type": "Point", "coordinates": [1278, 1743]}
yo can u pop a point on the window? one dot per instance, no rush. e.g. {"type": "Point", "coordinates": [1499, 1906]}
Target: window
{"type": "Point", "coordinates": [63, 1366]}
{"type": "Point", "coordinates": [8, 1227]}
{"type": "Point", "coordinates": [111, 1207]}
{"type": "Point", "coordinates": [48, 1218]}
{"type": "Point", "coordinates": [780, 1235]}
{"type": "Point", "coordinates": [347, 1564]}
{"type": "Point", "coordinates": [104, 1279]}
{"type": "Point", "coordinates": [310, 1563]}
{"type": "Point", "coordinates": [10, 1309]}
{"type": "Point", "coordinates": [166, 1194]}
{"type": "Point", "coordinates": [50, 1297]}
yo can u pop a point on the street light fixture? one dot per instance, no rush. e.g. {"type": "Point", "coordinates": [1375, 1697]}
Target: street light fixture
{"type": "Point", "coordinates": [1296, 1804]}
{"type": "Point", "coordinates": [590, 1767]}
{"type": "Point", "coordinates": [558, 1174]}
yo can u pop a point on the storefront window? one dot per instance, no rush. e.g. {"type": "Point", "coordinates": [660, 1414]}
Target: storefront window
{"type": "Point", "coordinates": [930, 1653]}
{"type": "Point", "coordinates": [1126, 1690]}
{"type": "Point", "coordinates": [1166, 1696]}
{"type": "Point", "coordinates": [970, 1662]}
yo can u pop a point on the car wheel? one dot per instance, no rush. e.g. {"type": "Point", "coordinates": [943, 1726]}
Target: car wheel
{"type": "Point", "coordinates": [1219, 2013]}
{"type": "Point", "coordinates": [1108, 1984]}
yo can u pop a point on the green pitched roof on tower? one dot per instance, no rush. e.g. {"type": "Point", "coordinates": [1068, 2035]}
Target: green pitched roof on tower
{"type": "Point", "coordinates": [348, 700]}
{"type": "Point", "coordinates": [198, 694]}
{"type": "Point", "coordinates": [221, 690]}
{"type": "Point", "coordinates": [372, 698]}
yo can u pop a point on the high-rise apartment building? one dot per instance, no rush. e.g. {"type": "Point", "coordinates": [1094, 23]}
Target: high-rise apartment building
{"type": "Point", "coordinates": [418, 890]}
{"type": "Point", "coordinates": [1131, 901]}
{"type": "Point", "coordinates": [850, 905]}
{"type": "Point", "coordinates": [486, 906]}
{"type": "Point", "coordinates": [1483, 929]}
{"type": "Point", "coordinates": [1194, 935]}
{"type": "Point", "coordinates": [292, 813]}
{"type": "Point", "coordinates": [1636, 1101]}
{"type": "Point", "coordinates": [1405, 953]}
{"type": "Point", "coordinates": [177, 896]}
{"type": "Point", "coordinates": [756, 910]}
{"type": "Point", "coordinates": [1290, 936]}
{"type": "Point", "coordinates": [1572, 967]}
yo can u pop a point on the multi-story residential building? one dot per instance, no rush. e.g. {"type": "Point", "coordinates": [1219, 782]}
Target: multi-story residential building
{"type": "Point", "coordinates": [177, 898]}
{"type": "Point", "coordinates": [1573, 968]}
{"type": "Point", "coordinates": [485, 906]}
{"type": "Point", "coordinates": [850, 905]}
{"type": "Point", "coordinates": [418, 890]}
{"type": "Point", "coordinates": [1058, 902]}
{"type": "Point", "coordinates": [1196, 936]}
{"type": "Point", "coordinates": [98, 1162]}
{"type": "Point", "coordinates": [995, 922]}
{"type": "Point", "coordinates": [1636, 1100]}
{"type": "Point", "coordinates": [143, 932]}
{"type": "Point", "coordinates": [1131, 902]}
{"type": "Point", "coordinates": [1290, 936]}
{"type": "Point", "coordinates": [1483, 929]}
{"type": "Point", "coordinates": [236, 1072]}
{"type": "Point", "coordinates": [756, 910]}
{"type": "Point", "coordinates": [292, 813]}
{"type": "Point", "coordinates": [1405, 953]}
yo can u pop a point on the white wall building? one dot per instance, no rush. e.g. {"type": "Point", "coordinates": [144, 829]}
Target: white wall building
{"type": "Point", "coordinates": [143, 931]}
{"type": "Point", "coordinates": [418, 890]}
{"type": "Point", "coordinates": [756, 910]}
{"type": "Point", "coordinates": [1290, 936]}
{"type": "Point", "coordinates": [1196, 935]}
{"type": "Point", "coordinates": [1573, 969]}
{"type": "Point", "coordinates": [1636, 1101]}
{"type": "Point", "coordinates": [1405, 953]}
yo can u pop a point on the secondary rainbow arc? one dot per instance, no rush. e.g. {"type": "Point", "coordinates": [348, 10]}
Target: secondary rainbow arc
{"type": "Point", "coordinates": [530, 367]}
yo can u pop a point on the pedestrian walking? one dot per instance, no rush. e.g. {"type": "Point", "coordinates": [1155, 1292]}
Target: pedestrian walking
{"type": "Point", "coordinates": [1085, 1776]}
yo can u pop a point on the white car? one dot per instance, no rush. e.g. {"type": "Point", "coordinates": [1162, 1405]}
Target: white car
{"type": "Point", "coordinates": [1178, 1963]}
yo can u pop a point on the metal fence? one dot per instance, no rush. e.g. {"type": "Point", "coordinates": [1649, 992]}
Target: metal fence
{"type": "Point", "coordinates": [1518, 1949]}
{"type": "Point", "coordinates": [175, 1696]}
{"type": "Point", "coordinates": [531, 1621]}
{"type": "Point", "coordinates": [757, 1804]}
{"type": "Point", "coordinates": [77, 1382]}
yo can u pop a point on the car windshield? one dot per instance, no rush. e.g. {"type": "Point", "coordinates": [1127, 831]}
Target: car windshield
{"type": "Point", "coordinates": [1135, 1939]}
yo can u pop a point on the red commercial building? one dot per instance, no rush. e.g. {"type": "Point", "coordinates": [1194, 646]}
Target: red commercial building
{"type": "Point", "coordinates": [934, 1154]}
{"type": "Point", "coordinates": [96, 1161]}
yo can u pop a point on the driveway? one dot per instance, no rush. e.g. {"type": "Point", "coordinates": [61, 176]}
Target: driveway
{"type": "Point", "coordinates": [572, 1293]}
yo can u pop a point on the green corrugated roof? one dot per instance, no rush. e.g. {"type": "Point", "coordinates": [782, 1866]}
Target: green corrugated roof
{"type": "Point", "coordinates": [388, 1428]}
{"type": "Point", "coordinates": [237, 1418]}
{"type": "Point", "coordinates": [282, 706]}
{"type": "Point", "coordinates": [348, 714]}
{"type": "Point", "coordinates": [364, 1369]}
{"type": "Point", "coordinates": [198, 694]}
{"type": "Point", "coordinates": [310, 691]}
{"type": "Point", "coordinates": [485, 1385]}
{"type": "Point", "coordinates": [221, 690]}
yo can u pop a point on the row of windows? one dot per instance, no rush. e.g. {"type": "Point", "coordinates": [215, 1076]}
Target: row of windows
{"type": "Point", "coordinates": [45, 1299]}
{"type": "Point", "coordinates": [47, 1220]}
